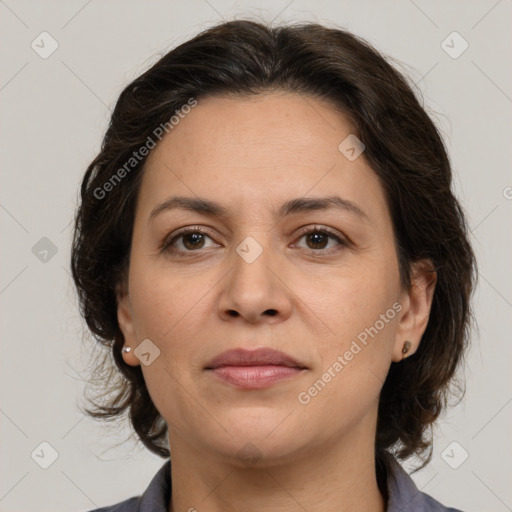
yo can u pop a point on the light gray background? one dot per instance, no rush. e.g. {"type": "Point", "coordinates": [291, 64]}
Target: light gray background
{"type": "Point", "coordinates": [53, 114]}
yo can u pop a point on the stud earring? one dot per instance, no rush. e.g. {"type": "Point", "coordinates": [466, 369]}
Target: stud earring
{"type": "Point", "coordinates": [126, 349]}
{"type": "Point", "coordinates": [405, 348]}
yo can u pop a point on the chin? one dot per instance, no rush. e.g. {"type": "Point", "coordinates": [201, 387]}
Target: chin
{"type": "Point", "coordinates": [248, 452]}
{"type": "Point", "coordinates": [264, 443]}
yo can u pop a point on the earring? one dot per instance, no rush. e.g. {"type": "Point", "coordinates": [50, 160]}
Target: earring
{"type": "Point", "coordinates": [126, 349]}
{"type": "Point", "coordinates": [405, 348]}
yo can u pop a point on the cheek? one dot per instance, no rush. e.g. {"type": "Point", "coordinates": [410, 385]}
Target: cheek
{"type": "Point", "coordinates": [354, 302]}
{"type": "Point", "coordinates": [170, 310]}
{"type": "Point", "coordinates": [353, 363]}
{"type": "Point", "coordinates": [166, 303]}
{"type": "Point", "coordinates": [361, 310]}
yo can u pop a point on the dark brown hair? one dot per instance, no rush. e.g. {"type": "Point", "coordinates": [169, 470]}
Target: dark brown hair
{"type": "Point", "coordinates": [403, 147]}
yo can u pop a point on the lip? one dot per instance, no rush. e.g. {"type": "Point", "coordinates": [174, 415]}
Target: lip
{"type": "Point", "coordinates": [254, 369]}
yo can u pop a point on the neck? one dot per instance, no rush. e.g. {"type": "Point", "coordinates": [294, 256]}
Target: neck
{"type": "Point", "coordinates": [339, 478]}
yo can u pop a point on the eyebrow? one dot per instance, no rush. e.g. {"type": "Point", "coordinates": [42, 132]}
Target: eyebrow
{"type": "Point", "coordinates": [298, 205]}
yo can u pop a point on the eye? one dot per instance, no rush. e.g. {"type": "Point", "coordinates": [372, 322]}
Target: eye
{"type": "Point", "coordinates": [317, 239]}
{"type": "Point", "coordinates": [193, 239]}
{"type": "Point", "coordinates": [185, 241]}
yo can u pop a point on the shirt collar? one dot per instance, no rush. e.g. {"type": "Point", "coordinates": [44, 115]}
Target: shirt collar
{"type": "Point", "coordinates": [403, 494]}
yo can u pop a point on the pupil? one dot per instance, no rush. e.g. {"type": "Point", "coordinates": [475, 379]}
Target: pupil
{"type": "Point", "coordinates": [197, 237]}
{"type": "Point", "coordinates": [316, 241]}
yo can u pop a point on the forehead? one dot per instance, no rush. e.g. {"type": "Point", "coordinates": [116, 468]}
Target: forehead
{"type": "Point", "coordinates": [256, 148]}
{"type": "Point", "coordinates": [257, 129]}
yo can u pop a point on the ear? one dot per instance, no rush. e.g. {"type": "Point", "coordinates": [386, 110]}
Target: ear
{"type": "Point", "coordinates": [126, 323]}
{"type": "Point", "coordinates": [416, 303]}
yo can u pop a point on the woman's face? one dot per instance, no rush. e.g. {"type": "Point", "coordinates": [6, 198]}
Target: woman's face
{"type": "Point", "coordinates": [254, 278]}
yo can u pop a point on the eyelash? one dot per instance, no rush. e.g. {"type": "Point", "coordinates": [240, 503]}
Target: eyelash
{"type": "Point", "coordinates": [166, 245]}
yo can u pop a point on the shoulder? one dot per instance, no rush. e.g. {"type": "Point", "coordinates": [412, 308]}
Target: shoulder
{"type": "Point", "coordinates": [155, 498]}
{"type": "Point", "coordinates": [404, 496]}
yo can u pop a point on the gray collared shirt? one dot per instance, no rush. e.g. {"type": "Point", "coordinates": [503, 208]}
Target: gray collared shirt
{"type": "Point", "coordinates": [404, 496]}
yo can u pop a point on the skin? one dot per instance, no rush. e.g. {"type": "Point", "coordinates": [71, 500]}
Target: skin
{"type": "Point", "coordinates": [251, 155]}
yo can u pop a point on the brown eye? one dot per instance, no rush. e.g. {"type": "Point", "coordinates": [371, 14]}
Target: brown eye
{"type": "Point", "coordinates": [187, 241]}
{"type": "Point", "coordinates": [193, 240]}
{"type": "Point", "coordinates": [318, 239]}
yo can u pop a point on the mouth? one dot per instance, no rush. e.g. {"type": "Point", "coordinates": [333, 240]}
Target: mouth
{"type": "Point", "coordinates": [254, 369]}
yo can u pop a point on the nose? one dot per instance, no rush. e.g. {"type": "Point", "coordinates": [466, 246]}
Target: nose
{"type": "Point", "coordinates": [255, 290]}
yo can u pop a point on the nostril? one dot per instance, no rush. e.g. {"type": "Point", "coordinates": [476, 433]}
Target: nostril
{"type": "Point", "coordinates": [271, 312]}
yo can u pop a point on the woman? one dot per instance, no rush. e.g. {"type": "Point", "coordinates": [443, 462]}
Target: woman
{"type": "Point", "coordinates": [269, 247]}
